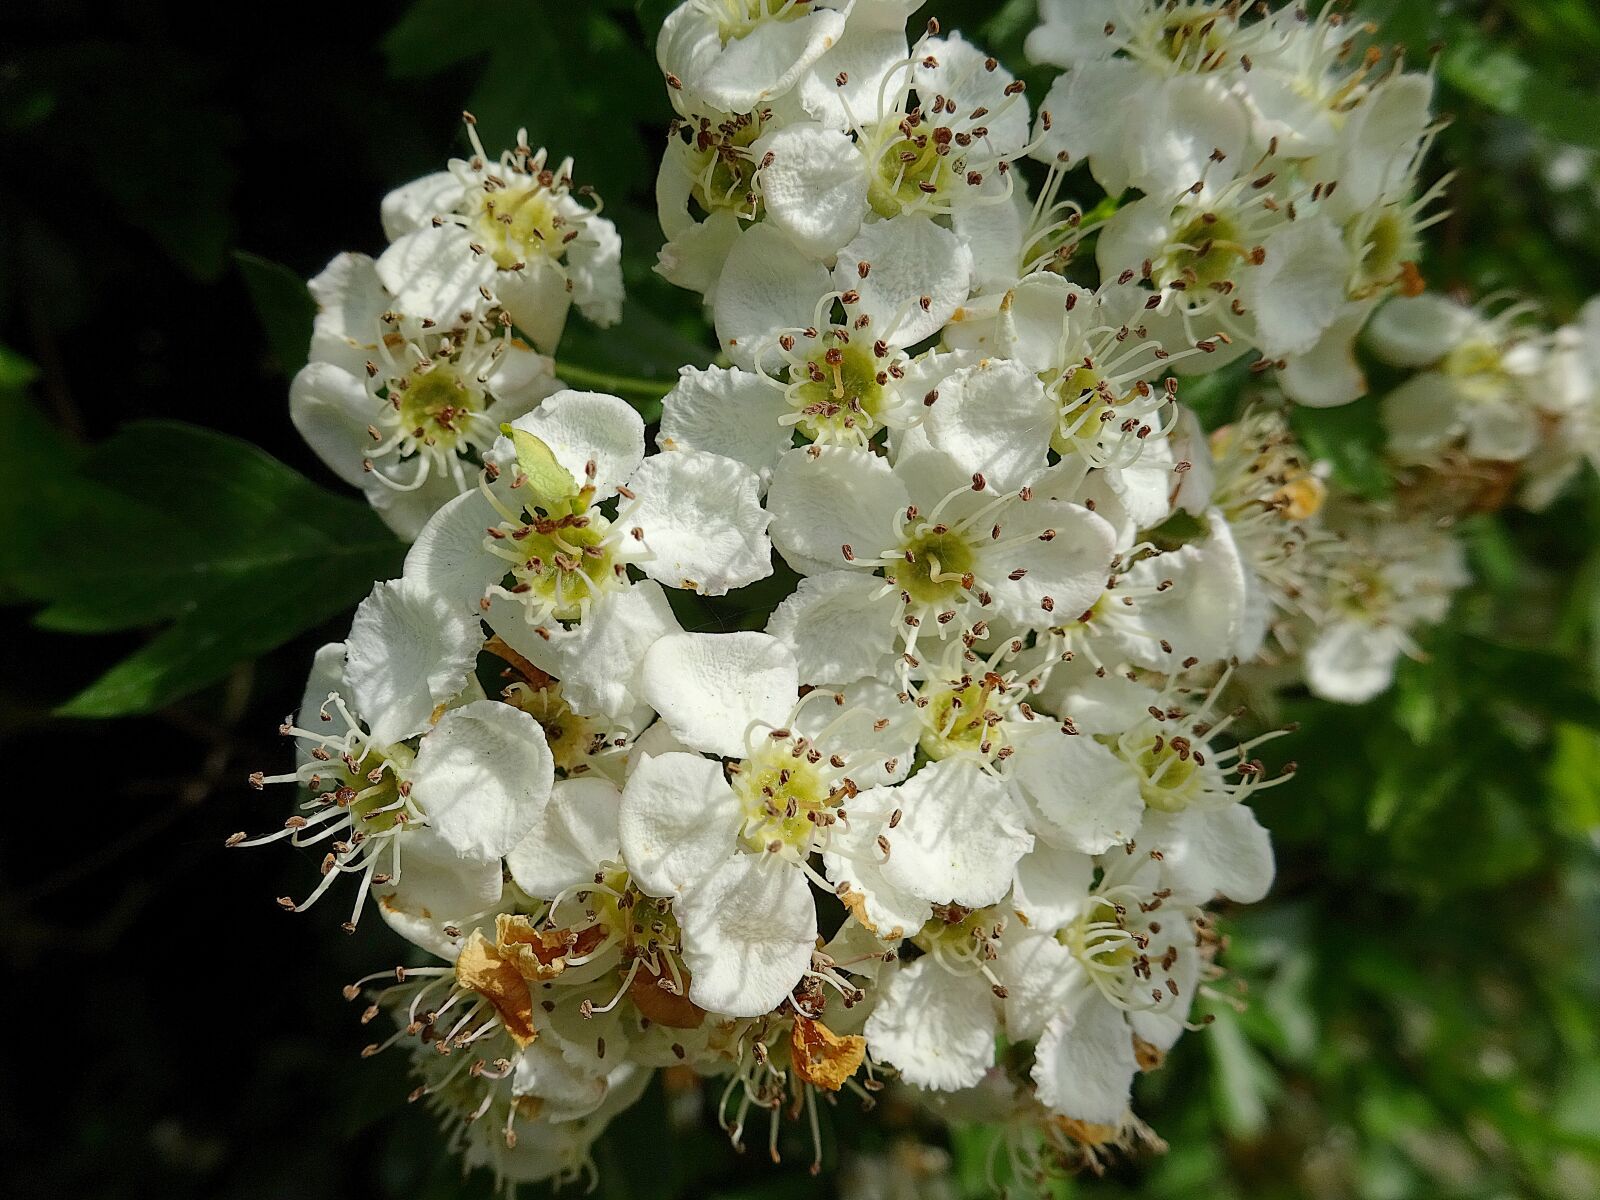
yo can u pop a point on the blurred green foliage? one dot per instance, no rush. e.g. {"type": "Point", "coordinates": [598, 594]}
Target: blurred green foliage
{"type": "Point", "coordinates": [1414, 1014]}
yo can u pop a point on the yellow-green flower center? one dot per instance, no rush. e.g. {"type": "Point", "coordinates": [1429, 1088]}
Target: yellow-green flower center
{"type": "Point", "coordinates": [786, 798]}
{"type": "Point", "coordinates": [939, 563]}
{"type": "Point", "coordinates": [908, 172]}
{"type": "Point", "coordinates": [564, 561]}
{"type": "Point", "coordinates": [841, 396]}
{"type": "Point", "coordinates": [1206, 251]}
{"type": "Point", "coordinates": [520, 223]}
{"type": "Point", "coordinates": [960, 720]}
{"type": "Point", "coordinates": [435, 405]}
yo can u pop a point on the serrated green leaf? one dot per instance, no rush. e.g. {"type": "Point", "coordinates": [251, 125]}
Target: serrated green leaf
{"type": "Point", "coordinates": [172, 522]}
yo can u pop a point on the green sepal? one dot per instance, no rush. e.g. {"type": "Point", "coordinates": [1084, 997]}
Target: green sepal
{"type": "Point", "coordinates": [546, 484]}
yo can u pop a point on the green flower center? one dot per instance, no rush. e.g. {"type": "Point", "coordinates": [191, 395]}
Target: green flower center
{"type": "Point", "coordinates": [1099, 939]}
{"type": "Point", "coordinates": [841, 394]}
{"type": "Point", "coordinates": [644, 923]}
{"type": "Point", "coordinates": [738, 18]}
{"type": "Point", "coordinates": [1168, 775]}
{"type": "Point", "coordinates": [786, 799]}
{"type": "Point", "coordinates": [1205, 252]}
{"type": "Point", "coordinates": [571, 738]}
{"type": "Point", "coordinates": [435, 404]}
{"type": "Point", "coordinates": [907, 172]}
{"type": "Point", "coordinates": [520, 223]}
{"type": "Point", "coordinates": [565, 561]}
{"type": "Point", "coordinates": [722, 168]}
{"type": "Point", "coordinates": [959, 721]}
{"type": "Point", "coordinates": [939, 563]}
{"type": "Point", "coordinates": [376, 781]}
{"type": "Point", "coordinates": [1081, 404]}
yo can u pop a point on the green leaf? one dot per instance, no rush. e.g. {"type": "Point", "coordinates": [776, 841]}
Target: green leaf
{"type": "Point", "coordinates": [548, 484]}
{"type": "Point", "coordinates": [1350, 438]}
{"type": "Point", "coordinates": [1574, 780]}
{"type": "Point", "coordinates": [284, 305]}
{"type": "Point", "coordinates": [169, 522]}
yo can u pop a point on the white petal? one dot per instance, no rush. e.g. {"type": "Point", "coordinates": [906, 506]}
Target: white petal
{"type": "Point", "coordinates": [1299, 290]}
{"type": "Point", "coordinates": [448, 558]}
{"type": "Point", "coordinates": [1211, 853]}
{"type": "Point", "coordinates": [1417, 331]}
{"type": "Point", "coordinates": [838, 626]}
{"type": "Point", "coordinates": [412, 206]}
{"type": "Point", "coordinates": [597, 659]}
{"type": "Point", "coordinates": [695, 257]}
{"type": "Point", "coordinates": [1135, 234]}
{"type": "Point", "coordinates": [1381, 139]}
{"type": "Point", "coordinates": [768, 285]}
{"type": "Point", "coordinates": [703, 522]}
{"type": "Point", "coordinates": [910, 260]}
{"type": "Point", "coordinates": [995, 420]}
{"type": "Point", "coordinates": [409, 651]}
{"type": "Point", "coordinates": [959, 837]}
{"type": "Point", "coordinates": [1203, 614]}
{"type": "Point", "coordinates": [537, 297]}
{"type": "Point", "coordinates": [437, 890]}
{"type": "Point", "coordinates": [351, 302]}
{"type": "Point", "coordinates": [679, 819]}
{"type": "Point", "coordinates": [1084, 1063]}
{"type": "Point", "coordinates": [1423, 414]}
{"type": "Point", "coordinates": [1328, 374]}
{"type": "Point", "coordinates": [590, 427]}
{"type": "Point", "coordinates": [483, 776]}
{"type": "Point", "coordinates": [863, 58]}
{"type": "Point", "coordinates": [1065, 572]}
{"type": "Point", "coordinates": [814, 187]}
{"type": "Point", "coordinates": [969, 78]}
{"type": "Point", "coordinates": [714, 688]}
{"type": "Point", "coordinates": [434, 275]}
{"type": "Point", "coordinates": [729, 412]}
{"type": "Point", "coordinates": [823, 499]}
{"type": "Point", "coordinates": [749, 929]}
{"type": "Point", "coordinates": [577, 832]}
{"type": "Point", "coordinates": [332, 410]}
{"type": "Point", "coordinates": [937, 1027]}
{"type": "Point", "coordinates": [1052, 885]}
{"type": "Point", "coordinates": [870, 727]}
{"type": "Point", "coordinates": [853, 862]}
{"type": "Point", "coordinates": [1351, 662]}
{"type": "Point", "coordinates": [1039, 975]}
{"type": "Point", "coordinates": [735, 74]}
{"type": "Point", "coordinates": [1175, 129]}
{"type": "Point", "coordinates": [1089, 794]}
{"type": "Point", "coordinates": [594, 265]}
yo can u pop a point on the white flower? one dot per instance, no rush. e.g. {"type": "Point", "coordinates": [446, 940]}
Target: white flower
{"type": "Point", "coordinates": [507, 232]}
{"type": "Point", "coordinates": [1479, 391]}
{"type": "Point", "coordinates": [551, 556]}
{"type": "Point", "coordinates": [1126, 739]}
{"type": "Point", "coordinates": [423, 822]}
{"type": "Point", "coordinates": [1392, 576]}
{"type": "Point", "coordinates": [400, 410]}
{"type": "Point", "coordinates": [732, 848]}
{"type": "Point", "coordinates": [1125, 984]}
{"type": "Point", "coordinates": [950, 559]}
{"type": "Point", "coordinates": [735, 54]}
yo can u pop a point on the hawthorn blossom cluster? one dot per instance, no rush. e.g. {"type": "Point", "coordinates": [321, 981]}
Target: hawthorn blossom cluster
{"type": "Point", "coordinates": [959, 767]}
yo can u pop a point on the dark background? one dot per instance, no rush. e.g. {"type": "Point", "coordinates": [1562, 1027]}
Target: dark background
{"type": "Point", "coordinates": [173, 1033]}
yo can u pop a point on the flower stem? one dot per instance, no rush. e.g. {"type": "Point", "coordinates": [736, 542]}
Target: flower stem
{"type": "Point", "coordinates": [630, 387]}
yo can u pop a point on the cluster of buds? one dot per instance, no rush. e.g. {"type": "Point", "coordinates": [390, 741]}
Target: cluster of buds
{"type": "Point", "coordinates": [971, 775]}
